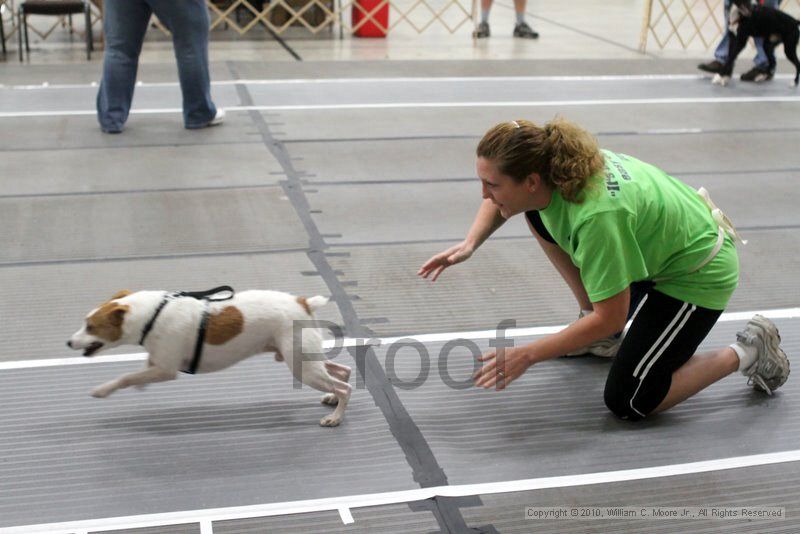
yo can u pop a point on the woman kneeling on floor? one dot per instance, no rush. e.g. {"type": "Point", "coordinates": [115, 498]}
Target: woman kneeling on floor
{"type": "Point", "coordinates": [632, 243]}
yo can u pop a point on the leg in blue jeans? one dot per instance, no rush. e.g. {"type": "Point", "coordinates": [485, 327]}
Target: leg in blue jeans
{"type": "Point", "coordinates": [721, 52]}
{"type": "Point", "coordinates": [189, 23]}
{"type": "Point", "coordinates": [124, 24]}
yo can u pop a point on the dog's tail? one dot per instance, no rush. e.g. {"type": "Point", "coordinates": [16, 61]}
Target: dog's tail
{"type": "Point", "coordinates": [317, 302]}
{"type": "Point", "coordinates": [311, 304]}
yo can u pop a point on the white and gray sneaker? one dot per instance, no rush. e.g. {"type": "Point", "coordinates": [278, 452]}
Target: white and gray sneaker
{"type": "Point", "coordinates": [771, 367]}
{"type": "Point", "coordinates": [605, 348]}
{"type": "Point", "coordinates": [219, 116]}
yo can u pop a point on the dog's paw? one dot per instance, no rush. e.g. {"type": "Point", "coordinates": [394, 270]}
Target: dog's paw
{"type": "Point", "coordinates": [101, 392]}
{"type": "Point", "coordinates": [330, 421]}
{"type": "Point", "coordinates": [330, 399]}
{"type": "Point", "coordinates": [719, 79]}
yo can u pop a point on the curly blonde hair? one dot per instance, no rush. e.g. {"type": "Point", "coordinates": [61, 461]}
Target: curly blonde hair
{"type": "Point", "coordinates": [565, 155]}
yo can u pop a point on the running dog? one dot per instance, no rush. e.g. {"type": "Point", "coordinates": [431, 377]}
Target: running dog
{"type": "Point", "coordinates": [773, 25]}
{"type": "Point", "coordinates": [224, 328]}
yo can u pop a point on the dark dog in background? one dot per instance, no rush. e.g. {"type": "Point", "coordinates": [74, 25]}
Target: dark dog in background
{"type": "Point", "coordinates": [773, 25]}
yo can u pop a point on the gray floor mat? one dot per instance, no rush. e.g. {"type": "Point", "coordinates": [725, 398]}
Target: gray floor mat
{"type": "Point", "coordinates": [552, 421]}
{"type": "Point", "coordinates": [655, 118]}
{"type": "Point", "coordinates": [159, 129]}
{"type": "Point", "coordinates": [388, 519]}
{"type": "Point", "coordinates": [712, 157]}
{"type": "Point", "coordinates": [764, 486]}
{"type": "Point", "coordinates": [512, 279]}
{"type": "Point", "coordinates": [138, 225]}
{"type": "Point", "coordinates": [144, 213]}
{"type": "Point", "coordinates": [163, 529]}
{"type": "Point", "coordinates": [82, 97]}
{"type": "Point", "coordinates": [138, 169]}
{"type": "Point", "coordinates": [234, 438]}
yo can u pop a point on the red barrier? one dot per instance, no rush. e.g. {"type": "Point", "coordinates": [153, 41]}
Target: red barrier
{"type": "Point", "coordinates": [377, 18]}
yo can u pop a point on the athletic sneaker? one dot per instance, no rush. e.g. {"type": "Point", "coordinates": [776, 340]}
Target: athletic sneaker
{"type": "Point", "coordinates": [482, 31]}
{"type": "Point", "coordinates": [714, 67]}
{"type": "Point", "coordinates": [219, 116]}
{"type": "Point", "coordinates": [757, 75]}
{"type": "Point", "coordinates": [606, 347]}
{"type": "Point", "coordinates": [771, 368]}
{"type": "Point", "coordinates": [525, 32]}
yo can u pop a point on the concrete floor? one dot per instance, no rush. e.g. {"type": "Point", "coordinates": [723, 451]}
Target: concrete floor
{"type": "Point", "coordinates": [339, 175]}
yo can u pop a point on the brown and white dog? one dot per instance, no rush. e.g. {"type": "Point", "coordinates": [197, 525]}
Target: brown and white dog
{"type": "Point", "coordinates": [242, 325]}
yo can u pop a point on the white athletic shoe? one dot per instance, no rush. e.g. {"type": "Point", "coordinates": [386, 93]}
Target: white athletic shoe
{"type": "Point", "coordinates": [218, 117]}
{"type": "Point", "coordinates": [605, 348]}
{"type": "Point", "coordinates": [771, 368]}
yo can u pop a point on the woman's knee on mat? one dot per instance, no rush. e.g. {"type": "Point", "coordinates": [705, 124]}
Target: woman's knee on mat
{"type": "Point", "coordinates": [632, 399]}
{"type": "Point", "coordinates": [618, 401]}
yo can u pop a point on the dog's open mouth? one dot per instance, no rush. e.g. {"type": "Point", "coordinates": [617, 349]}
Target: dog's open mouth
{"type": "Point", "coordinates": [91, 349]}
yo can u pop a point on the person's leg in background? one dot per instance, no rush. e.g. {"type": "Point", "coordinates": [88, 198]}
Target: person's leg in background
{"type": "Point", "coordinates": [188, 22]}
{"type": "Point", "coordinates": [721, 52]}
{"type": "Point", "coordinates": [483, 31]}
{"type": "Point", "coordinates": [124, 24]}
{"type": "Point", "coordinates": [521, 28]}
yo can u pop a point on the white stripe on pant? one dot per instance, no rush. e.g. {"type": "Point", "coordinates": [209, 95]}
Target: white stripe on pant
{"type": "Point", "coordinates": [660, 346]}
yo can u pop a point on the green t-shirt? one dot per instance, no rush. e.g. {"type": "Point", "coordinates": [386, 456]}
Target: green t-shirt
{"type": "Point", "coordinates": [638, 223]}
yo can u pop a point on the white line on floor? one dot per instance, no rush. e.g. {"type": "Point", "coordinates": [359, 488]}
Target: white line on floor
{"type": "Point", "coordinates": [346, 515]}
{"type": "Point", "coordinates": [780, 313]}
{"type": "Point", "coordinates": [399, 497]}
{"type": "Point", "coordinates": [392, 80]}
{"type": "Point", "coordinates": [418, 105]}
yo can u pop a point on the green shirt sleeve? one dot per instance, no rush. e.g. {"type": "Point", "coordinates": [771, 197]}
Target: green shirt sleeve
{"type": "Point", "coordinates": [607, 254]}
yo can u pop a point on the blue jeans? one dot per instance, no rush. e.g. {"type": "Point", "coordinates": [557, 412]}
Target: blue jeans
{"type": "Point", "coordinates": [721, 53]}
{"type": "Point", "coordinates": [125, 23]}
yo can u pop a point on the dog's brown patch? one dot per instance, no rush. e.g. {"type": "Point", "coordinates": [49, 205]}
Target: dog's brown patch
{"type": "Point", "coordinates": [106, 321]}
{"type": "Point", "coordinates": [304, 303]}
{"type": "Point", "coordinates": [120, 294]}
{"type": "Point", "coordinates": [224, 326]}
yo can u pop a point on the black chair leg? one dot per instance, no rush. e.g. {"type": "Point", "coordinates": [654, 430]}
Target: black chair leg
{"type": "Point", "coordinates": [88, 34]}
{"type": "Point", "coordinates": [89, 27]}
{"type": "Point", "coordinates": [27, 42]}
{"type": "Point", "coordinates": [21, 19]}
{"type": "Point", "coordinates": [2, 34]}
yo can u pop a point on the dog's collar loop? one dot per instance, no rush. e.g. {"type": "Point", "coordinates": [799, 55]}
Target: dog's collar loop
{"type": "Point", "coordinates": [217, 294]}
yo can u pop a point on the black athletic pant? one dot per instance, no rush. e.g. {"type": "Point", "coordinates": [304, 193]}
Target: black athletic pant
{"type": "Point", "coordinates": [664, 334]}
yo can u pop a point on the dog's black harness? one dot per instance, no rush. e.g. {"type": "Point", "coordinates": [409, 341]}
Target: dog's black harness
{"type": "Point", "coordinates": [214, 295]}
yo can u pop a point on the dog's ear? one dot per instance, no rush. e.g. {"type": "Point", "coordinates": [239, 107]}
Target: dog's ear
{"type": "Point", "coordinates": [120, 294]}
{"type": "Point", "coordinates": [117, 314]}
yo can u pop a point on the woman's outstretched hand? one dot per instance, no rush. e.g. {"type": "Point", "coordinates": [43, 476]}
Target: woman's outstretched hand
{"type": "Point", "coordinates": [443, 260]}
{"type": "Point", "coordinates": [500, 372]}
